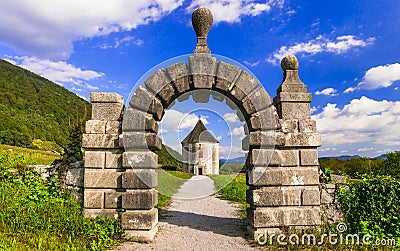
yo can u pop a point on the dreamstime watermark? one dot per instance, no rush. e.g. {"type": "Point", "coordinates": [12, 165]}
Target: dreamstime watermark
{"type": "Point", "coordinates": [330, 238]}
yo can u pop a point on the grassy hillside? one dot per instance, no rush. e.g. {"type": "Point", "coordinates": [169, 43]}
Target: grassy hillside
{"type": "Point", "coordinates": [169, 158]}
{"type": "Point", "coordinates": [32, 107]}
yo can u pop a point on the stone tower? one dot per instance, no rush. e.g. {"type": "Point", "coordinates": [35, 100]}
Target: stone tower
{"type": "Point", "coordinates": [200, 151]}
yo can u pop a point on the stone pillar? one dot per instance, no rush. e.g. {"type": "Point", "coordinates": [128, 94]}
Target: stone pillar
{"type": "Point", "coordinates": [102, 178]}
{"type": "Point", "coordinates": [284, 182]}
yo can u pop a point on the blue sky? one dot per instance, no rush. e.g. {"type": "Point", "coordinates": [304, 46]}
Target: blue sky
{"type": "Point", "coordinates": [347, 49]}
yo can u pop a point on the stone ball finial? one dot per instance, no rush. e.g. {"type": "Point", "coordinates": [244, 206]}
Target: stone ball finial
{"type": "Point", "coordinates": [290, 63]}
{"type": "Point", "coordinates": [202, 20]}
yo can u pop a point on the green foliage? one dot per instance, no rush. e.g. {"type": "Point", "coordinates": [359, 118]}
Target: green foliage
{"type": "Point", "coordinates": [372, 206]}
{"type": "Point", "coordinates": [169, 159]}
{"type": "Point", "coordinates": [73, 152]}
{"type": "Point", "coordinates": [14, 138]}
{"type": "Point", "coordinates": [232, 188]}
{"type": "Point", "coordinates": [38, 215]}
{"type": "Point", "coordinates": [34, 106]}
{"type": "Point", "coordinates": [45, 145]}
{"type": "Point", "coordinates": [29, 156]}
{"type": "Point", "coordinates": [391, 165]}
{"type": "Point", "coordinates": [357, 167]}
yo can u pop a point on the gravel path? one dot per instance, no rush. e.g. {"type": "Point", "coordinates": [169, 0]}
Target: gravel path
{"type": "Point", "coordinates": [197, 220]}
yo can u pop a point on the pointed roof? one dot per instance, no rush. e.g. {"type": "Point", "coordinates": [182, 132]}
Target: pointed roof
{"type": "Point", "coordinates": [198, 133]}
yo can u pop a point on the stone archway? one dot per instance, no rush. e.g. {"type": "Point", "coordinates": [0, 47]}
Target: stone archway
{"type": "Point", "coordinates": [281, 141]}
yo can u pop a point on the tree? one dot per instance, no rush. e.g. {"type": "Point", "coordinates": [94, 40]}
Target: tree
{"type": "Point", "coordinates": [391, 164]}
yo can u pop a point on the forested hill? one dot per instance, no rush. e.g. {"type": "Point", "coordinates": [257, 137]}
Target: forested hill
{"type": "Point", "coordinates": [32, 107]}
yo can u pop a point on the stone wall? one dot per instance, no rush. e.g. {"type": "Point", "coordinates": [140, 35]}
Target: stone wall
{"type": "Point", "coordinates": [71, 176]}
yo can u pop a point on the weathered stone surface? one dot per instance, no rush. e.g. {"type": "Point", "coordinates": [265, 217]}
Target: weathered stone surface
{"type": "Point", "coordinates": [202, 67]}
{"type": "Point", "coordinates": [179, 74]}
{"type": "Point", "coordinates": [139, 179]}
{"type": "Point", "coordinates": [257, 100]}
{"type": "Point", "coordinates": [107, 111]}
{"type": "Point", "coordinates": [95, 126]}
{"type": "Point", "coordinates": [139, 140]}
{"type": "Point", "coordinates": [102, 179]}
{"type": "Point", "coordinates": [112, 199]}
{"type": "Point", "coordinates": [95, 159]}
{"type": "Point", "coordinates": [310, 196]}
{"type": "Point", "coordinates": [113, 127]}
{"type": "Point", "coordinates": [202, 20]}
{"type": "Point", "coordinates": [226, 74]}
{"type": "Point", "coordinates": [326, 198]}
{"type": "Point", "coordinates": [100, 141]}
{"type": "Point", "coordinates": [263, 139]}
{"type": "Point", "coordinates": [274, 196]}
{"type": "Point", "coordinates": [106, 213]}
{"type": "Point", "coordinates": [106, 97]}
{"type": "Point", "coordinates": [289, 62]}
{"type": "Point", "coordinates": [307, 125]}
{"type": "Point", "coordinates": [265, 157]}
{"type": "Point", "coordinates": [265, 119]}
{"type": "Point", "coordinates": [289, 125]}
{"type": "Point", "coordinates": [141, 235]}
{"type": "Point", "coordinates": [139, 219]}
{"type": "Point", "coordinates": [113, 159]}
{"type": "Point", "coordinates": [309, 157]}
{"type": "Point", "coordinates": [74, 177]}
{"type": "Point", "coordinates": [293, 97]}
{"type": "Point", "coordinates": [142, 160]}
{"type": "Point", "coordinates": [140, 199]}
{"type": "Point", "coordinates": [93, 199]}
{"type": "Point", "coordinates": [160, 85]}
{"type": "Point", "coordinates": [135, 120]}
{"type": "Point", "coordinates": [145, 101]}
{"type": "Point", "coordinates": [244, 85]}
{"type": "Point", "coordinates": [284, 216]}
{"type": "Point", "coordinates": [338, 178]}
{"type": "Point", "coordinates": [288, 110]}
{"type": "Point", "coordinates": [201, 96]}
{"type": "Point", "coordinates": [287, 176]}
{"type": "Point", "coordinates": [298, 139]}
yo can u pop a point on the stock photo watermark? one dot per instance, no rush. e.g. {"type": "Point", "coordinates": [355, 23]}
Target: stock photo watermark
{"type": "Point", "coordinates": [340, 238]}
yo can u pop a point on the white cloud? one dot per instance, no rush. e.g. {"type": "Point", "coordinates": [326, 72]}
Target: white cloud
{"type": "Point", "coordinates": [327, 149]}
{"type": "Point", "coordinates": [226, 152]}
{"type": "Point", "coordinates": [365, 149]}
{"type": "Point", "coordinates": [231, 117]}
{"type": "Point", "coordinates": [47, 29]}
{"type": "Point", "coordinates": [118, 42]}
{"type": "Point", "coordinates": [327, 92]}
{"type": "Point", "coordinates": [231, 11]}
{"type": "Point", "coordinates": [58, 71]}
{"type": "Point", "coordinates": [363, 120]}
{"type": "Point", "coordinates": [251, 64]}
{"type": "Point", "coordinates": [318, 45]}
{"type": "Point", "coordinates": [237, 131]}
{"type": "Point", "coordinates": [179, 121]}
{"type": "Point", "coordinates": [378, 77]}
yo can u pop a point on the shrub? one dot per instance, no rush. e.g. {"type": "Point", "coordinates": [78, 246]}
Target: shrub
{"type": "Point", "coordinates": [372, 206]}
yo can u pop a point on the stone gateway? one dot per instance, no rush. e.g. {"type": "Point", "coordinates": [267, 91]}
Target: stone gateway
{"type": "Point", "coordinates": [282, 141]}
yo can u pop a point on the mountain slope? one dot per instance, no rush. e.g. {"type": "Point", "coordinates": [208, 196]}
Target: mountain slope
{"type": "Point", "coordinates": [33, 107]}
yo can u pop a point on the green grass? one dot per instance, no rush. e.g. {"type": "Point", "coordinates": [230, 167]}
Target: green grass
{"type": "Point", "coordinates": [232, 188]}
{"type": "Point", "coordinates": [38, 215]}
{"type": "Point", "coordinates": [169, 183]}
{"type": "Point", "coordinates": [30, 156]}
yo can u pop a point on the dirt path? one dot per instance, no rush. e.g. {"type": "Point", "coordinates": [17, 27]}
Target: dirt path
{"type": "Point", "coordinates": [196, 221]}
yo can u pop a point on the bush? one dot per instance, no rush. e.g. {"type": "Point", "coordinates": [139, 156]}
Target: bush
{"type": "Point", "coordinates": [372, 206]}
{"type": "Point", "coordinates": [14, 138]}
{"type": "Point", "coordinates": [38, 215]}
